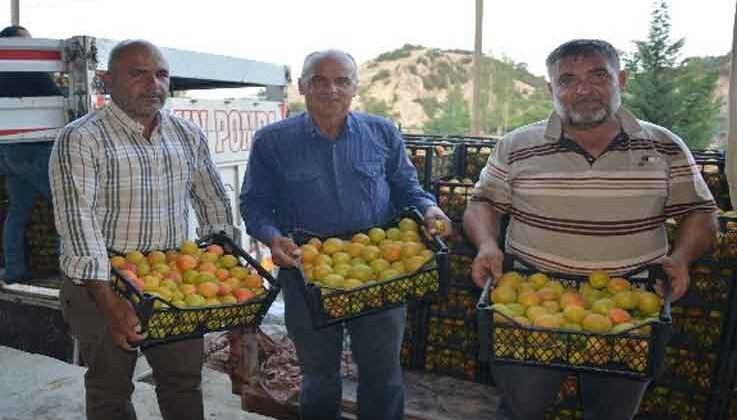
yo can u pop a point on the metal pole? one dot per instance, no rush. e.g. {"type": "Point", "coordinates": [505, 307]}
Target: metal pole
{"type": "Point", "coordinates": [476, 101]}
{"type": "Point", "coordinates": [15, 12]}
{"type": "Point", "coordinates": [732, 132]}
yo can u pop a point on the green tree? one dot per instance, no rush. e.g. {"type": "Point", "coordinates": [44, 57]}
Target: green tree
{"type": "Point", "coordinates": [677, 95]}
{"type": "Point", "coordinates": [453, 118]}
{"type": "Point", "coordinates": [371, 105]}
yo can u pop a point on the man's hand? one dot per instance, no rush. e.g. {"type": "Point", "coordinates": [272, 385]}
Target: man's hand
{"type": "Point", "coordinates": [437, 222]}
{"type": "Point", "coordinates": [488, 263]}
{"type": "Point", "coordinates": [124, 325]}
{"type": "Point", "coordinates": [283, 251]}
{"type": "Point", "coordinates": [677, 271]}
{"type": "Point", "coordinates": [122, 321]}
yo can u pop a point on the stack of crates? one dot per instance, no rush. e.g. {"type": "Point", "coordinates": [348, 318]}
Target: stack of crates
{"type": "Point", "coordinates": [711, 164]}
{"type": "Point", "coordinates": [697, 356]}
{"type": "Point", "coordinates": [433, 160]}
{"type": "Point", "coordinates": [42, 241]}
{"type": "Point", "coordinates": [451, 343]}
{"type": "Point", "coordinates": [41, 249]}
{"type": "Point", "coordinates": [412, 341]}
{"type": "Point", "coordinates": [444, 331]}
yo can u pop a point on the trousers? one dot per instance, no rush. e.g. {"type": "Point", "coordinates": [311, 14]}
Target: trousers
{"type": "Point", "coordinates": [375, 342]}
{"type": "Point", "coordinates": [177, 367]}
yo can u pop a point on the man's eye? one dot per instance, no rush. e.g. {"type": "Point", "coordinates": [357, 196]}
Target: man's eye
{"type": "Point", "coordinates": [600, 75]}
{"type": "Point", "coordinates": [567, 81]}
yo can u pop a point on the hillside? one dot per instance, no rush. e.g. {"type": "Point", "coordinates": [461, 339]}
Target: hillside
{"type": "Point", "coordinates": [411, 85]}
{"type": "Point", "coordinates": [415, 85]}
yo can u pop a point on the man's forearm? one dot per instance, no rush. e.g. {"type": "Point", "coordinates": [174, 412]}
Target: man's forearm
{"type": "Point", "coordinates": [481, 224]}
{"type": "Point", "coordinates": [695, 236]}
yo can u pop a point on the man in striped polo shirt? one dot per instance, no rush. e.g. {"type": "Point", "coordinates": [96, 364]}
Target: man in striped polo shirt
{"type": "Point", "coordinates": [590, 188]}
{"type": "Point", "coordinates": [122, 179]}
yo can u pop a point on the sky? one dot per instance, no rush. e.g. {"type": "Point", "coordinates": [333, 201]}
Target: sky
{"type": "Point", "coordinates": [284, 31]}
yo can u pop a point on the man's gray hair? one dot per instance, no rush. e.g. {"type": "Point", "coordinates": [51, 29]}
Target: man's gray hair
{"type": "Point", "coordinates": [314, 58]}
{"type": "Point", "coordinates": [121, 46]}
{"type": "Point", "coordinates": [584, 48]}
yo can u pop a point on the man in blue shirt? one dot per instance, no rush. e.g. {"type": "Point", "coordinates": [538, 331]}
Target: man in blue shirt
{"type": "Point", "coordinates": [332, 171]}
{"type": "Point", "coordinates": [25, 166]}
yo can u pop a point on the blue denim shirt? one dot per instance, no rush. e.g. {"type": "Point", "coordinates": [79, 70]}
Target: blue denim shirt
{"type": "Point", "coordinates": [299, 179]}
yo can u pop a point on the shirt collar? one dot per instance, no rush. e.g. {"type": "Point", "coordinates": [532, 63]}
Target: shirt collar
{"type": "Point", "coordinates": [128, 122]}
{"type": "Point", "coordinates": [630, 126]}
{"type": "Point", "coordinates": [349, 128]}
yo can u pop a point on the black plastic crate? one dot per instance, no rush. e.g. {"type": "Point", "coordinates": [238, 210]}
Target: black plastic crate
{"type": "Point", "coordinates": [686, 369]}
{"type": "Point", "coordinates": [705, 317]}
{"type": "Point", "coordinates": [661, 402]}
{"type": "Point", "coordinates": [453, 362]}
{"type": "Point", "coordinates": [568, 403]}
{"type": "Point", "coordinates": [413, 340]}
{"type": "Point", "coordinates": [630, 354]}
{"type": "Point", "coordinates": [698, 328]}
{"type": "Point", "coordinates": [433, 161]}
{"type": "Point", "coordinates": [711, 164]}
{"type": "Point", "coordinates": [732, 413]}
{"type": "Point", "coordinates": [164, 322]}
{"type": "Point", "coordinates": [453, 197]}
{"type": "Point", "coordinates": [472, 157]}
{"type": "Point", "coordinates": [727, 239]}
{"type": "Point", "coordinates": [332, 306]}
{"type": "Point", "coordinates": [728, 392]}
{"type": "Point", "coordinates": [459, 303]}
{"type": "Point", "coordinates": [454, 333]}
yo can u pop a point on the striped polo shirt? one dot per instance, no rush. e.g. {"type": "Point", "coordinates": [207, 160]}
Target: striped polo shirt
{"type": "Point", "coordinates": [113, 189]}
{"type": "Point", "coordinates": [571, 213]}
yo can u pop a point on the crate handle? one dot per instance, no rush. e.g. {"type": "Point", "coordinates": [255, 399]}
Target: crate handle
{"type": "Point", "coordinates": [145, 306]}
{"type": "Point", "coordinates": [436, 240]}
{"type": "Point", "coordinates": [222, 238]}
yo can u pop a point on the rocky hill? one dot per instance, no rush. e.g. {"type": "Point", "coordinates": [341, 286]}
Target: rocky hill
{"type": "Point", "coordinates": [414, 84]}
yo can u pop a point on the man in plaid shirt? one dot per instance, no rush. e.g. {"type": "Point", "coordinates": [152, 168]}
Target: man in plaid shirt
{"type": "Point", "coordinates": [122, 179]}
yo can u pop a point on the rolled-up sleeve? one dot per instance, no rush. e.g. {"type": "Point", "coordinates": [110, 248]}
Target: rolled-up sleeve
{"type": "Point", "coordinates": [259, 193]}
{"type": "Point", "coordinates": [493, 186]}
{"type": "Point", "coordinates": [209, 198]}
{"type": "Point", "coordinates": [73, 174]}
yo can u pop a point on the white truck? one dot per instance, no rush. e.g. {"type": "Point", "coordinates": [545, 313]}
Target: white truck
{"type": "Point", "coordinates": [78, 63]}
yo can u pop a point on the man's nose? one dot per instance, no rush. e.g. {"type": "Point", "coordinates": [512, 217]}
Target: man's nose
{"type": "Point", "coordinates": [584, 86]}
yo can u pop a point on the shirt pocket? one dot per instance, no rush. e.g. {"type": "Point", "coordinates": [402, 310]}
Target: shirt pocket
{"type": "Point", "coordinates": [370, 176]}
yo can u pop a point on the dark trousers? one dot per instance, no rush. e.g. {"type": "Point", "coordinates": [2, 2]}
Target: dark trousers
{"type": "Point", "coordinates": [375, 342]}
{"type": "Point", "coordinates": [177, 367]}
{"type": "Point", "coordinates": [526, 392]}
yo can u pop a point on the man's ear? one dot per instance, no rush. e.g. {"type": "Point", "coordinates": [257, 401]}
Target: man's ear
{"type": "Point", "coordinates": [300, 87]}
{"type": "Point", "coordinates": [622, 76]}
{"type": "Point", "coordinates": [550, 88]}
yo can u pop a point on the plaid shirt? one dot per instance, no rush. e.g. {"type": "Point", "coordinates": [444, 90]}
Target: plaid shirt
{"type": "Point", "coordinates": [115, 190]}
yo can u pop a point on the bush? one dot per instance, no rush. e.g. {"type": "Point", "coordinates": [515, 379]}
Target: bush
{"type": "Point", "coordinates": [381, 75]}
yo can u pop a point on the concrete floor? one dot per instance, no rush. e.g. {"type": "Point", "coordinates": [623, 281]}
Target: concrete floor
{"type": "Point", "coordinates": [42, 388]}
